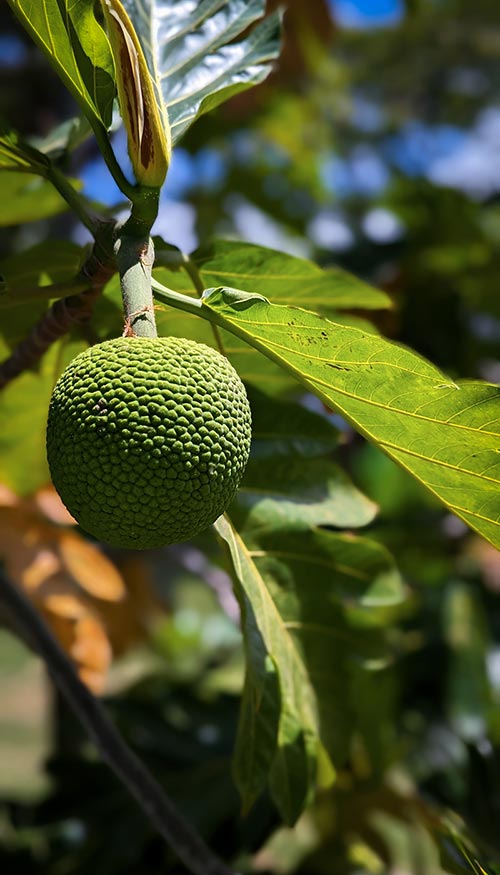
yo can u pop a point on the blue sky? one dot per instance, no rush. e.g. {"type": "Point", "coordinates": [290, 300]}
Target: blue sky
{"type": "Point", "coordinates": [367, 13]}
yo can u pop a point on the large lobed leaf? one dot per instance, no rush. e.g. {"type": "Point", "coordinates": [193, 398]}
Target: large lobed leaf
{"type": "Point", "coordinates": [446, 434]}
{"type": "Point", "coordinates": [193, 57]}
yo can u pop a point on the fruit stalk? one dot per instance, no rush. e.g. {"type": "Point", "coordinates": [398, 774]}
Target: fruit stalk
{"type": "Point", "coordinates": [135, 259]}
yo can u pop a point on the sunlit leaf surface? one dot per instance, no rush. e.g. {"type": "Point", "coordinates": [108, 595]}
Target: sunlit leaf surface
{"type": "Point", "coordinates": [286, 278]}
{"type": "Point", "coordinates": [77, 48]}
{"type": "Point", "coordinates": [446, 434]}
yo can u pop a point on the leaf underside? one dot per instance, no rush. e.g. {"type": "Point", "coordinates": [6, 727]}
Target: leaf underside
{"type": "Point", "coordinates": [194, 56]}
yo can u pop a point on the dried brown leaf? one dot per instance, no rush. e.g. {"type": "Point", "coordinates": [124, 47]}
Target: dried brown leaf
{"type": "Point", "coordinates": [93, 608]}
{"type": "Point", "coordinates": [93, 571]}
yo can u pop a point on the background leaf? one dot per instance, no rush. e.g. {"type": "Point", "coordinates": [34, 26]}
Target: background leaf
{"type": "Point", "coordinates": [309, 599]}
{"type": "Point", "coordinates": [28, 272]}
{"type": "Point", "coordinates": [27, 198]}
{"type": "Point", "coordinates": [468, 691]}
{"type": "Point", "coordinates": [16, 155]}
{"type": "Point", "coordinates": [77, 48]}
{"type": "Point", "coordinates": [291, 478]}
{"type": "Point", "coordinates": [286, 279]}
{"type": "Point", "coordinates": [23, 409]}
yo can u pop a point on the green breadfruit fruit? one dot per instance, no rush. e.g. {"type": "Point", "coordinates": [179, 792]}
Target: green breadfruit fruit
{"type": "Point", "coordinates": [147, 439]}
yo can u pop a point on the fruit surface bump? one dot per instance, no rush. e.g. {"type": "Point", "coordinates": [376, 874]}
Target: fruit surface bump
{"type": "Point", "coordinates": [147, 439]}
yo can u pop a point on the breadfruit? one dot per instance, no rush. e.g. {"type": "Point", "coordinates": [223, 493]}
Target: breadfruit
{"type": "Point", "coordinates": [147, 439]}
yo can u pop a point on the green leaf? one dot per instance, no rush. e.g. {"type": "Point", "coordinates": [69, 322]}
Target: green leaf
{"type": "Point", "coordinates": [446, 434]}
{"type": "Point", "coordinates": [310, 599]}
{"type": "Point", "coordinates": [24, 402]}
{"type": "Point", "coordinates": [286, 279]}
{"type": "Point", "coordinates": [27, 198]}
{"type": "Point", "coordinates": [51, 261]}
{"type": "Point", "coordinates": [257, 269]}
{"type": "Point", "coordinates": [26, 275]}
{"type": "Point", "coordinates": [290, 479]}
{"type": "Point", "coordinates": [78, 49]}
{"type": "Point", "coordinates": [285, 429]}
{"type": "Point", "coordinates": [192, 53]}
{"type": "Point", "coordinates": [351, 570]}
{"type": "Point", "coordinates": [468, 688]}
{"type": "Point", "coordinates": [18, 155]}
{"type": "Point", "coordinates": [65, 137]}
{"type": "Point", "coordinates": [290, 734]}
{"type": "Point", "coordinates": [282, 492]}
{"type": "Point", "coordinates": [23, 411]}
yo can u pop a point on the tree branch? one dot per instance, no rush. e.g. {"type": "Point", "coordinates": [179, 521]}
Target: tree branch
{"type": "Point", "coordinates": [66, 312]}
{"type": "Point", "coordinates": [130, 770]}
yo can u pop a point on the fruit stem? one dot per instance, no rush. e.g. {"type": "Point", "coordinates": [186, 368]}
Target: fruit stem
{"type": "Point", "coordinates": [135, 258]}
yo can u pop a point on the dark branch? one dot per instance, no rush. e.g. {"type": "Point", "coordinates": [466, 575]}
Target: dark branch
{"type": "Point", "coordinates": [63, 314]}
{"type": "Point", "coordinates": [159, 809]}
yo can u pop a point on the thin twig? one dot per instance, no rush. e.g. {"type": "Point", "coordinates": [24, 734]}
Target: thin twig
{"type": "Point", "coordinates": [72, 198]}
{"type": "Point", "coordinates": [159, 809]}
{"type": "Point", "coordinates": [62, 315]}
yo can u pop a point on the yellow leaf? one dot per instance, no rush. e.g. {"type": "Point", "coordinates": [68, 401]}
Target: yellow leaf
{"type": "Point", "coordinates": [90, 568]}
{"type": "Point", "coordinates": [48, 502]}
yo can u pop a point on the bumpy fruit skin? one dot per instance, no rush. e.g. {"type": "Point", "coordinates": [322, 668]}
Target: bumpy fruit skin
{"type": "Point", "coordinates": [147, 439]}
